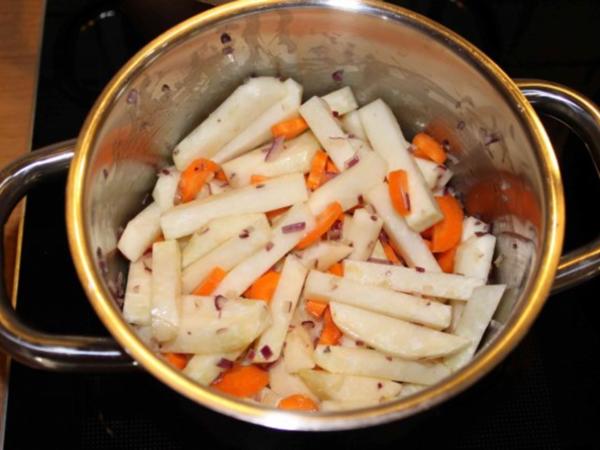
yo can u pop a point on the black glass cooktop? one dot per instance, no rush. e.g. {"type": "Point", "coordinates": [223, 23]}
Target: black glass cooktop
{"type": "Point", "coordinates": [545, 395]}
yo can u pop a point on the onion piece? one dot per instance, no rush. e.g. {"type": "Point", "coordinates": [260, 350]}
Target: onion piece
{"type": "Point", "coordinates": [225, 363]}
{"type": "Point", "coordinates": [275, 149]}
{"type": "Point", "coordinates": [293, 227]}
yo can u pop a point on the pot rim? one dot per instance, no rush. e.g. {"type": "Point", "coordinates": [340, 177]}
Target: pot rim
{"type": "Point", "coordinates": [487, 359]}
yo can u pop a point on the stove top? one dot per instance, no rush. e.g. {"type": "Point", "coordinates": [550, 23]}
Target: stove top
{"type": "Point", "coordinates": [546, 393]}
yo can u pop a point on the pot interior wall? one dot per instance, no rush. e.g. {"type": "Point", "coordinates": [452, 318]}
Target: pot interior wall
{"type": "Point", "coordinates": [429, 84]}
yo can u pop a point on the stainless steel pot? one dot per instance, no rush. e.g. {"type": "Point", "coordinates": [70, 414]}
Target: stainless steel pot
{"type": "Point", "coordinates": [429, 75]}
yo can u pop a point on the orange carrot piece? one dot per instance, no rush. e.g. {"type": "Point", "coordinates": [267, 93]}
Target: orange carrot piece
{"type": "Point", "coordinates": [194, 176]}
{"type": "Point", "coordinates": [317, 170]}
{"type": "Point", "coordinates": [331, 167]}
{"type": "Point", "coordinates": [446, 260]}
{"type": "Point", "coordinates": [331, 334]}
{"type": "Point", "coordinates": [427, 147]}
{"type": "Point", "coordinates": [257, 179]}
{"type": "Point", "coordinates": [315, 308]}
{"type": "Point", "coordinates": [242, 381]}
{"type": "Point", "coordinates": [447, 233]}
{"type": "Point", "coordinates": [337, 269]}
{"type": "Point", "coordinates": [220, 175]}
{"type": "Point", "coordinates": [289, 128]}
{"type": "Point", "coordinates": [210, 283]}
{"type": "Point", "coordinates": [298, 402]}
{"type": "Point", "coordinates": [264, 287]}
{"type": "Point", "coordinates": [399, 193]}
{"type": "Point", "coordinates": [275, 213]}
{"type": "Point", "coordinates": [324, 221]}
{"type": "Point", "coordinates": [390, 253]}
{"type": "Point", "coordinates": [178, 360]}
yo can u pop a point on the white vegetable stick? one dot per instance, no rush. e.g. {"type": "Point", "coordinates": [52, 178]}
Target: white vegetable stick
{"type": "Point", "coordinates": [410, 389]}
{"type": "Point", "coordinates": [282, 306]}
{"type": "Point", "coordinates": [217, 231]}
{"type": "Point", "coordinates": [216, 187]}
{"type": "Point", "coordinates": [296, 156]}
{"type": "Point", "coordinates": [303, 319]}
{"type": "Point", "coordinates": [323, 254]}
{"type": "Point", "coordinates": [298, 350]}
{"type": "Point", "coordinates": [245, 273]}
{"type": "Point", "coordinates": [328, 131]}
{"type": "Point", "coordinates": [352, 124]}
{"type": "Point", "coordinates": [138, 295]}
{"type": "Point", "coordinates": [204, 329]}
{"type": "Point", "coordinates": [286, 384]}
{"type": "Point", "coordinates": [404, 279]}
{"type": "Point", "coordinates": [406, 242]}
{"type": "Point", "coordinates": [330, 288]}
{"type": "Point", "coordinates": [363, 233]}
{"type": "Point", "coordinates": [350, 184]}
{"type": "Point", "coordinates": [436, 176]}
{"type": "Point", "coordinates": [259, 131]}
{"type": "Point", "coordinates": [332, 386]}
{"type": "Point", "coordinates": [166, 289]}
{"type": "Point", "coordinates": [371, 363]}
{"type": "Point", "coordinates": [203, 369]}
{"type": "Point", "coordinates": [473, 226]}
{"type": "Point", "coordinates": [474, 321]}
{"type": "Point", "coordinates": [140, 232]}
{"type": "Point", "coordinates": [378, 252]}
{"type": "Point", "coordinates": [243, 106]}
{"type": "Point", "coordinates": [227, 255]}
{"type": "Point", "coordinates": [474, 256]}
{"type": "Point", "coordinates": [166, 188]}
{"type": "Point", "coordinates": [270, 398]}
{"type": "Point", "coordinates": [144, 332]}
{"type": "Point", "coordinates": [273, 194]}
{"type": "Point", "coordinates": [341, 101]}
{"type": "Point", "coordinates": [346, 226]}
{"type": "Point", "coordinates": [394, 336]}
{"type": "Point", "coordinates": [387, 139]}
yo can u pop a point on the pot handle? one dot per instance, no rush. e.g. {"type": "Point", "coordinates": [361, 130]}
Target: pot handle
{"type": "Point", "coordinates": [582, 116]}
{"type": "Point", "coordinates": [25, 344]}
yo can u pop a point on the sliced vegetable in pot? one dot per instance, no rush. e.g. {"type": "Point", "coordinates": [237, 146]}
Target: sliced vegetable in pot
{"type": "Point", "coordinates": [307, 257]}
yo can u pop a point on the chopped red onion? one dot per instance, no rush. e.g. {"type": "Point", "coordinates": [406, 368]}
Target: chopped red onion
{"type": "Point", "coordinates": [165, 88]}
{"type": "Point", "coordinates": [335, 114]}
{"type": "Point", "coordinates": [383, 237]}
{"type": "Point", "coordinates": [269, 246]}
{"type": "Point", "coordinates": [225, 38]}
{"type": "Point", "coordinates": [132, 97]}
{"type": "Point", "coordinates": [244, 233]}
{"type": "Point", "coordinates": [219, 302]}
{"type": "Point", "coordinates": [105, 173]}
{"type": "Point", "coordinates": [225, 364]}
{"type": "Point", "coordinates": [266, 352]}
{"type": "Point", "coordinates": [260, 186]}
{"type": "Point", "coordinates": [379, 385]}
{"type": "Point", "coordinates": [361, 199]}
{"type": "Point", "coordinates": [327, 349]}
{"type": "Point", "coordinates": [275, 148]}
{"type": "Point", "coordinates": [374, 218]}
{"type": "Point", "coordinates": [460, 125]}
{"type": "Point", "coordinates": [250, 355]}
{"type": "Point", "coordinates": [165, 172]}
{"type": "Point", "coordinates": [419, 269]}
{"type": "Point", "coordinates": [389, 358]}
{"type": "Point", "coordinates": [352, 161]}
{"type": "Point", "coordinates": [227, 50]}
{"type": "Point", "coordinates": [446, 145]}
{"type": "Point", "coordinates": [338, 75]}
{"type": "Point", "coordinates": [360, 343]}
{"type": "Point", "coordinates": [308, 324]}
{"type": "Point", "coordinates": [287, 306]}
{"type": "Point", "coordinates": [407, 201]}
{"type": "Point", "coordinates": [293, 227]}
{"type": "Point", "coordinates": [480, 233]}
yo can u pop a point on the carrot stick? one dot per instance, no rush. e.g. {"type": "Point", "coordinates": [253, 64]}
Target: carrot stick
{"type": "Point", "coordinates": [446, 260]}
{"type": "Point", "coordinates": [331, 167]}
{"type": "Point", "coordinates": [194, 176]}
{"type": "Point", "coordinates": [447, 233]}
{"type": "Point", "coordinates": [390, 253]}
{"type": "Point", "coordinates": [289, 128]}
{"type": "Point", "coordinates": [242, 381]}
{"type": "Point", "coordinates": [399, 194]}
{"type": "Point", "coordinates": [257, 179]}
{"type": "Point", "coordinates": [210, 283]}
{"type": "Point", "coordinates": [331, 334]}
{"type": "Point", "coordinates": [427, 147]}
{"type": "Point", "coordinates": [264, 287]}
{"type": "Point", "coordinates": [273, 214]}
{"type": "Point", "coordinates": [337, 269]}
{"type": "Point", "coordinates": [298, 402]}
{"type": "Point", "coordinates": [220, 175]}
{"type": "Point", "coordinates": [315, 308]}
{"type": "Point", "coordinates": [317, 170]}
{"type": "Point", "coordinates": [324, 221]}
{"type": "Point", "coordinates": [178, 360]}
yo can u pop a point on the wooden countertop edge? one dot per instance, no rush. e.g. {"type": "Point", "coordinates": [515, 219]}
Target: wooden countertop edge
{"type": "Point", "coordinates": [20, 46]}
